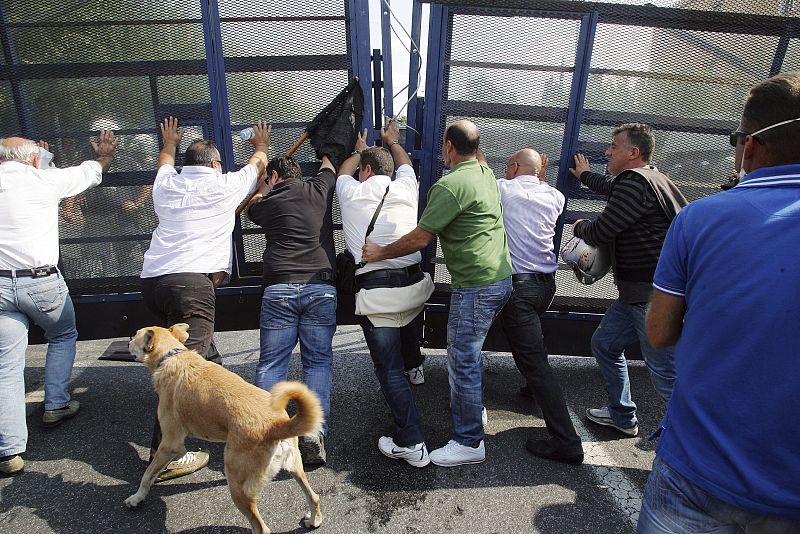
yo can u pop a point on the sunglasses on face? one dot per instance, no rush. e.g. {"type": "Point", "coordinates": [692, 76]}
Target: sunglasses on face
{"type": "Point", "coordinates": [735, 135]}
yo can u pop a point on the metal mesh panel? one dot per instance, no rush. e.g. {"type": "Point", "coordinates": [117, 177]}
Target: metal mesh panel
{"type": "Point", "coordinates": [514, 76]}
{"type": "Point", "coordinates": [283, 71]}
{"type": "Point", "coordinates": [73, 68]}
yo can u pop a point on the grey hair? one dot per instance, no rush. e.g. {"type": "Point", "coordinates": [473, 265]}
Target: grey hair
{"type": "Point", "coordinates": [23, 152]}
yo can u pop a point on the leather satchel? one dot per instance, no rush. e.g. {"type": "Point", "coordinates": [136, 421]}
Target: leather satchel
{"type": "Point", "coordinates": [346, 265]}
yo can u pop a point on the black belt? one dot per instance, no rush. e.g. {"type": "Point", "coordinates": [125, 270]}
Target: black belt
{"type": "Point", "coordinates": [521, 277]}
{"type": "Point", "coordinates": [388, 273]}
{"type": "Point", "coordinates": [36, 272]}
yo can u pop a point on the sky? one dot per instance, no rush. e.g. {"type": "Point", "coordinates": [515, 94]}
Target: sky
{"type": "Point", "coordinates": [400, 56]}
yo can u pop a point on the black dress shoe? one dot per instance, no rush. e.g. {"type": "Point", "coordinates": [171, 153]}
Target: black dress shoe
{"type": "Point", "coordinates": [549, 449]}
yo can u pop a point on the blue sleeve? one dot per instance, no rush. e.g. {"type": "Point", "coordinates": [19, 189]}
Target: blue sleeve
{"type": "Point", "coordinates": [671, 272]}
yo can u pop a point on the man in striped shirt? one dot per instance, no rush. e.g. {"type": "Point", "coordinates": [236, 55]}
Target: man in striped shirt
{"type": "Point", "coordinates": [642, 202]}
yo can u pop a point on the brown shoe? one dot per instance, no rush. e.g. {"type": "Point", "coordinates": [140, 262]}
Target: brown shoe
{"type": "Point", "coordinates": [185, 465]}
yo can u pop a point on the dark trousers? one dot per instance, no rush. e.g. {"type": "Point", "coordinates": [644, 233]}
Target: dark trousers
{"type": "Point", "coordinates": [393, 351]}
{"type": "Point", "coordinates": [184, 298]}
{"type": "Point", "coordinates": [522, 325]}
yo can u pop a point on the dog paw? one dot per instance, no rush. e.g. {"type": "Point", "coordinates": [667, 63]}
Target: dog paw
{"type": "Point", "coordinates": [133, 501]}
{"type": "Point", "coordinates": [308, 523]}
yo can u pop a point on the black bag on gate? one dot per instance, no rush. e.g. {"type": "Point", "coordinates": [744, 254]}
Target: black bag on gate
{"type": "Point", "coordinates": [346, 265]}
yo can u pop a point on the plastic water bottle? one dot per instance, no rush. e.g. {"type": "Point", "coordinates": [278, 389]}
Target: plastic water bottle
{"type": "Point", "coordinates": [246, 134]}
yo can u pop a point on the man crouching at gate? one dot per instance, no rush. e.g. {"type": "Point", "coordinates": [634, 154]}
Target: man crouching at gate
{"type": "Point", "coordinates": [391, 293]}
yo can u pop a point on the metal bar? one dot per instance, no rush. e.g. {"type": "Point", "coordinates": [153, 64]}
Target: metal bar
{"type": "Point", "coordinates": [414, 65]}
{"type": "Point", "coordinates": [10, 72]}
{"type": "Point", "coordinates": [220, 113]}
{"type": "Point", "coordinates": [505, 111]}
{"type": "Point", "coordinates": [49, 25]}
{"type": "Point", "coordinates": [386, 56]}
{"type": "Point", "coordinates": [435, 92]}
{"type": "Point", "coordinates": [583, 59]}
{"type": "Point", "coordinates": [126, 69]}
{"type": "Point", "coordinates": [641, 15]}
{"type": "Point", "coordinates": [508, 66]}
{"type": "Point", "coordinates": [376, 87]}
{"type": "Point", "coordinates": [780, 53]}
{"type": "Point", "coordinates": [359, 48]}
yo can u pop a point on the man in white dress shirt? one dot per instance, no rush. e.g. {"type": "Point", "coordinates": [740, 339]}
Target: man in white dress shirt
{"type": "Point", "coordinates": [196, 211]}
{"type": "Point", "coordinates": [31, 286]}
{"type": "Point", "coordinates": [392, 292]}
{"type": "Point", "coordinates": [531, 208]}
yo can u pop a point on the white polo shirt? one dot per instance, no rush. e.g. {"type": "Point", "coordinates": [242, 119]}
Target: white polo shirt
{"type": "Point", "coordinates": [398, 215]}
{"type": "Point", "coordinates": [29, 210]}
{"type": "Point", "coordinates": [196, 211]}
{"type": "Point", "coordinates": [530, 211]}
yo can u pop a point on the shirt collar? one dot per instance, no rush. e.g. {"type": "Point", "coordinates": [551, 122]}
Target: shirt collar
{"type": "Point", "coordinates": [467, 163]}
{"type": "Point", "coordinates": [772, 176]}
{"type": "Point", "coordinates": [528, 178]}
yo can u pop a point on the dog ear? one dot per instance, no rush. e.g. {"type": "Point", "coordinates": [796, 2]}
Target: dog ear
{"type": "Point", "coordinates": [149, 340]}
{"type": "Point", "coordinates": [178, 331]}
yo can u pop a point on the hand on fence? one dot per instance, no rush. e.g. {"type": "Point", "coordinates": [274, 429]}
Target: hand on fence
{"type": "Point", "coordinates": [390, 132]}
{"type": "Point", "coordinates": [361, 141]}
{"type": "Point", "coordinates": [170, 133]}
{"type": "Point", "coordinates": [261, 134]}
{"type": "Point", "coordinates": [581, 165]}
{"type": "Point", "coordinates": [542, 174]}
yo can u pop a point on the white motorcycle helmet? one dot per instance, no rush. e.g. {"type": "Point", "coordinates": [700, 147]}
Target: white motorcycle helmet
{"type": "Point", "coordinates": [589, 263]}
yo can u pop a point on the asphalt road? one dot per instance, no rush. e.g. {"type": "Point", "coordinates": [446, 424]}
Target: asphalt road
{"type": "Point", "coordinates": [77, 475]}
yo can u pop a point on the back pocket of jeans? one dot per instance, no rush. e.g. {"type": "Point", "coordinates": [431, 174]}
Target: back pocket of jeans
{"type": "Point", "coordinates": [48, 298]}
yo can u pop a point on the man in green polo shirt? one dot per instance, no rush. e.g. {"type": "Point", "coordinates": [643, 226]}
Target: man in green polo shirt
{"type": "Point", "coordinates": [464, 211]}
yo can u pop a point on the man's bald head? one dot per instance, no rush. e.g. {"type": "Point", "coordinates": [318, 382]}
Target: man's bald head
{"type": "Point", "coordinates": [524, 162]}
{"type": "Point", "coordinates": [19, 149]}
{"type": "Point", "coordinates": [464, 136]}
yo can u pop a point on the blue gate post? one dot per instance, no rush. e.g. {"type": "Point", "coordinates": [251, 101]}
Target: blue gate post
{"type": "Point", "coordinates": [583, 60]}
{"type": "Point", "coordinates": [220, 112]}
{"type": "Point", "coordinates": [434, 91]}
{"type": "Point", "coordinates": [358, 17]}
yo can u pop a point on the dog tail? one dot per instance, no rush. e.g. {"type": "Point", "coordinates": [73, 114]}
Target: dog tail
{"type": "Point", "coordinates": [308, 419]}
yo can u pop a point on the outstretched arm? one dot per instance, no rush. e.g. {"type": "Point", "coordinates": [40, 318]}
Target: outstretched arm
{"type": "Point", "coordinates": [260, 140]}
{"type": "Point", "coordinates": [390, 136]}
{"type": "Point", "coordinates": [350, 165]}
{"type": "Point", "coordinates": [415, 240]}
{"type": "Point", "coordinates": [105, 148]}
{"type": "Point", "coordinates": [171, 136]}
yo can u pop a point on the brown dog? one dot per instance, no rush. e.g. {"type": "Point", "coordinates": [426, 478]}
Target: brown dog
{"type": "Point", "coordinates": [201, 398]}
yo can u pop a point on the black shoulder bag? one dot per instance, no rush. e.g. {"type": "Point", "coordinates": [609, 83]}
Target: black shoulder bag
{"type": "Point", "coordinates": [346, 265]}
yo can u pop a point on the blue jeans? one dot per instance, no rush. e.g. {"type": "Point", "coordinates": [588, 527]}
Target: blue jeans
{"type": "Point", "coordinates": [672, 504]}
{"type": "Point", "coordinates": [46, 302]}
{"type": "Point", "coordinates": [385, 345]}
{"type": "Point", "coordinates": [472, 311]}
{"type": "Point", "coordinates": [622, 325]}
{"type": "Point", "coordinates": [298, 311]}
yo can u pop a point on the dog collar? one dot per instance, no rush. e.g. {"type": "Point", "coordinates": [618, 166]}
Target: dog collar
{"type": "Point", "coordinates": [169, 355]}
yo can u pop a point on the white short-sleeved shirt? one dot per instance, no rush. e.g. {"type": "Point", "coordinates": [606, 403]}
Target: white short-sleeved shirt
{"type": "Point", "coordinates": [29, 210]}
{"type": "Point", "coordinates": [398, 215]}
{"type": "Point", "coordinates": [196, 211]}
{"type": "Point", "coordinates": [530, 211]}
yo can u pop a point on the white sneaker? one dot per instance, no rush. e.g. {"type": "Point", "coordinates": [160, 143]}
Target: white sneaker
{"type": "Point", "coordinates": [416, 455]}
{"type": "Point", "coordinates": [416, 376]}
{"type": "Point", "coordinates": [484, 417]}
{"type": "Point", "coordinates": [601, 416]}
{"type": "Point", "coordinates": [454, 454]}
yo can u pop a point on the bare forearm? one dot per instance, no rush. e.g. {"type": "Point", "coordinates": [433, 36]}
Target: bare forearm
{"type": "Point", "coordinates": [167, 155]}
{"type": "Point", "coordinates": [259, 159]}
{"type": "Point", "coordinates": [350, 165]}
{"type": "Point", "coordinates": [413, 241]}
{"type": "Point", "coordinates": [399, 154]}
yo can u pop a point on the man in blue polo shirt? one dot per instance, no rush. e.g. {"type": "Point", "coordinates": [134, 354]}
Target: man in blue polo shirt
{"type": "Point", "coordinates": [727, 290]}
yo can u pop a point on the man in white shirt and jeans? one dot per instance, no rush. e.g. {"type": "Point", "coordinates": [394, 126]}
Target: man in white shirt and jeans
{"type": "Point", "coordinates": [31, 286]}
{"type": "Point", "coordinates": [196, 211]}
{"type": "Point", "coordinates": [392, 292]}
{"type": "Point", "coordinates": [531, 208]}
